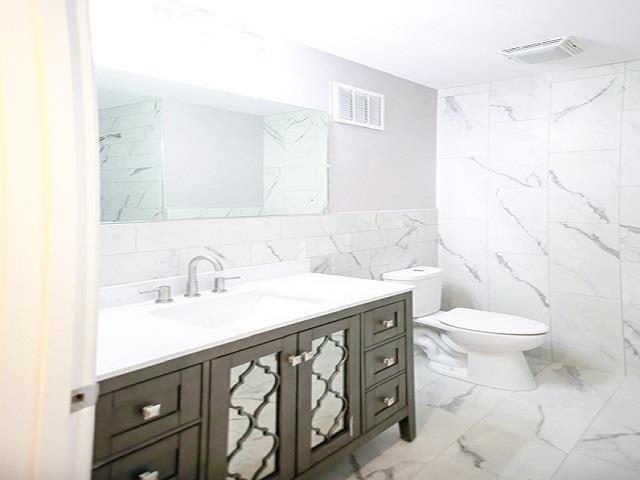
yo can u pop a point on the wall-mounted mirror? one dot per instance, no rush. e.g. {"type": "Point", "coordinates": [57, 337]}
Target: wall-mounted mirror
{"type": "Point", "coordinates": [173, 151]}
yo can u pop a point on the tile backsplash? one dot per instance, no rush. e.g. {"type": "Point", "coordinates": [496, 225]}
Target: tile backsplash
{"type": "Point", "coordinates": [362, 244]}
{"type": "Point", "coordinates": [539, 194]}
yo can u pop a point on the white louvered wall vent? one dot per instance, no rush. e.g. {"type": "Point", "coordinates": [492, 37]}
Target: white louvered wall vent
{"type": "Point", "coordinates": [356, 106]}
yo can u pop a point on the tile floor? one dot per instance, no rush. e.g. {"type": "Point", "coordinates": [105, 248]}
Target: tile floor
{"type": "Point", "coordinates": [579, 424]}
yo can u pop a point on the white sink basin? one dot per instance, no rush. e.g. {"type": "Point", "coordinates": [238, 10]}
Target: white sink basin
{"type": "Point", "coordinates": [227, 309]}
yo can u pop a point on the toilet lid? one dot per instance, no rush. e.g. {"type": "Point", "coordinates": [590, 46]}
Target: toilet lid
{"type": "Point", "coordinates": [490, 322]}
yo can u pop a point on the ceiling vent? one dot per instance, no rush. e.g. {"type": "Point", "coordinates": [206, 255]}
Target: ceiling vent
{"type": "Point", "coordinates": [546, 51]}
{"type": "Point", "coordinates": [356, 106]}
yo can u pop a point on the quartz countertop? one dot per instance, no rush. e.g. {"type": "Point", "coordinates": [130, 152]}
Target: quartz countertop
{"type": "Point", "coordinates": [131, 337]}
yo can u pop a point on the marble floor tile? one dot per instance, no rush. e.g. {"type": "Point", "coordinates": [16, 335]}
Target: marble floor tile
{"type": "Point", "coordinates": [558, 427]}
{"type": "Point", "coordinates": [570, 387]}
{"type": "Point", "coordinates": [614, 436]}
{"type": "Point", "coordinates": [461, 398]}
{"type": "Point", "coordinates": [446, 469]}
{"type": "Point", "coordinates": [579, 467]}
{"type": "Point", "coordinates": [422, 375]}
{"type": "Point", "coordinates": [496, 449]}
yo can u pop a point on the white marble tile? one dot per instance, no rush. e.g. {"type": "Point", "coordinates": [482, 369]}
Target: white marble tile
{"type": "Point", "coordinates": [446, 469]}
{"type": "Point", "coordinates": [461, 398]}
{"type": "Point", "coordinates": [463, 188]}
{"type": "Point", "coordinates": [580, 467]}
{"type": "Point", "coordinates": [349, 222]}
{"type": "Point", "coordinates": [520, 99]}
{"type": "Point", "coordinates": [278, 251]}
{"type": "Point", "coordinates": [629, 391]}
{"type": "Point", "coordinates": [585, 113]}
{"type": "Point", "coordinates": [568, 387]}
{"type": "Point", "coordinates": [462, 125]}
{"type": "Point", "coordinates": [463, 250]}
{"type": "Point", "coordinates": [137, 267]}
{"type": "Point", "coordinates": [518, 153]}
{"type": "Point", "coordinates": [422, 375]}
{"type": "Point", "coordinates": [465, 294]}
{"type": "Point", "coordinates": [632, 86]}
{"type": "Point", "coordinates": [463, 90]}
{"type": "Point", "coordinates": [598, 70]}
{"type": "Point", "coordinates": [497, 450]}
{"type": "Point", "coordinates": [614, 436]}
{"type": "Point", "coordinates": [630, 224]}
{"type": "Point", "coordinates": [630, 150]}
{"type": "Point", "coordinates": [115, 239]}
{"type": "Point", "coordinates": [518, 220]}
{"type": "Point", "coordinates": [519, 285]}
{"type": "Point", "coordinates": [585, 259]}
{"type": "Point", "coordinates": [584, 186]}
{"type": "Point", "coordinates": [631, 316]}
{"type": "Point", "coordinates": [558, 427]}
{"type": "Point", "coordinates": [586, 331]}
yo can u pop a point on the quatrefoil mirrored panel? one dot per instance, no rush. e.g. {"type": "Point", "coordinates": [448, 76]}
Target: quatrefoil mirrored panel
{"type": "Point", "coordinates": [253, 416]}
{"type": "Point", "coordinates": [329, 400]}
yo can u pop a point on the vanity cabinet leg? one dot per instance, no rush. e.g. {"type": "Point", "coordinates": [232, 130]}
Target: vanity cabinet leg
{"type": "Point", "coordinates": [408, 428]}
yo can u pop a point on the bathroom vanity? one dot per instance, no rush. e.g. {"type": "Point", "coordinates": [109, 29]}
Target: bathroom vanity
{"type": "Point", "coordinates": [275, 379]}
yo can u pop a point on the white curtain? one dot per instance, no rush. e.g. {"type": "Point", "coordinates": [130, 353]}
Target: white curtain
{"type": "Point", "coordinates": [48, 237]}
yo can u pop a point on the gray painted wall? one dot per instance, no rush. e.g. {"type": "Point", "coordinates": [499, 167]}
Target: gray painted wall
{"type": "Point", "coordinates": [370, 169]}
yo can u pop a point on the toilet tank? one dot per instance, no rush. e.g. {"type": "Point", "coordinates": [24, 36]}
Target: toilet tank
{"type": "Point", "coordinates": [427, 293]}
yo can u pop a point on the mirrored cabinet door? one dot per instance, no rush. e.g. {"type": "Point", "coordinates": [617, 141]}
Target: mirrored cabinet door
{"type": "Point", "coordinates": [328, 390]}
{"type": "Point", "coordinates": [252, 426]}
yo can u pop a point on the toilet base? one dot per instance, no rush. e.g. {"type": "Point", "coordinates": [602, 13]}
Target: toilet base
{"type": "Point", "coordinates": [505, 370]}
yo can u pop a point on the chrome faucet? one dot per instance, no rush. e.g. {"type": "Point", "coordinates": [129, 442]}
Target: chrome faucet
{"type": "Point", "coordinates": [192, 280]}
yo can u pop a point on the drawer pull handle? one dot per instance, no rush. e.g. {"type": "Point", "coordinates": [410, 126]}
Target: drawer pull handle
{"type": "Point", "coordinates": [389, 361]}
{"type": "Point", "coordinates": [388, 323]}
{"type": "Point", "coordinates": [149, 412]}
{"type": "Point", "coordinates": [149, 475]}
{"type": "Point", "coordinates": [389, 401]}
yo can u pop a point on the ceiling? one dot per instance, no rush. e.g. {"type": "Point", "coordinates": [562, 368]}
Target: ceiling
{"type": "Point", "coordinates": [446, 43]}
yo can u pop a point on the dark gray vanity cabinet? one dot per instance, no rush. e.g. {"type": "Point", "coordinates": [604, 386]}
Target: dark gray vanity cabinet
{"type": "Point", "coordinates": [280, 405]}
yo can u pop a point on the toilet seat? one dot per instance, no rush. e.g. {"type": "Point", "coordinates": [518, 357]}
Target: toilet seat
{"type": "Point", "coordinates": [491, 322]}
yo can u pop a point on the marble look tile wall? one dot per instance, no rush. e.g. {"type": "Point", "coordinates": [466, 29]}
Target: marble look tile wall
{"type": "Point", "coordinates": [364, 244]}
{"type": "Point", "coordinates": [539, 200]}
{"type": "Point", "coordinates": [131, 162]}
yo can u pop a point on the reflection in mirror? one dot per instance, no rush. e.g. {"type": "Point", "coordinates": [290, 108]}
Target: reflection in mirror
{"type": "Point", "coordinates": [328, 389]}
{"type": "Point", "coordinates": [171, 151]}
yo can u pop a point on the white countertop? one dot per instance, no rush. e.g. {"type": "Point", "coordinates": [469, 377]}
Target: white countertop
{"type": "Point", "coordinates": [131, 337]}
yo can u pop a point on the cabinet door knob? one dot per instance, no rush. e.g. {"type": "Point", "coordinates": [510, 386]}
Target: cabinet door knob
{"type": "Point", "coordinates": [388, 401]}
{"type": "Point", "coordinates": [388, 361]}
{"type": "Point", "coordinates": [388, 323]}
{"type": "Point", "coordinates": [151, 411]}
{"type": "Point", "coordinates": [149, 475]}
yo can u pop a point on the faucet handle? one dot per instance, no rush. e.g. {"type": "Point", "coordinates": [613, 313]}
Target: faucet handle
{"type": "Point", "coordinates": [164, 293]}
{"type": "Point", "coordinates": [219, 285]}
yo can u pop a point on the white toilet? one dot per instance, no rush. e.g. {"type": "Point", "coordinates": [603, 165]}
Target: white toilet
{"type": "Point", "coordinates": [473, 345]}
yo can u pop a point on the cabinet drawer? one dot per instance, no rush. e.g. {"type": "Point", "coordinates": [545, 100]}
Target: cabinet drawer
{"type": "Point", "coordinates": [385, 400]}
{"type": "Point", "coordinates": [383, 323]}
{"type": "Point", "coordinates": [384, 361]}
{"type": "Point", "coordinates": [142, 411]}
{"type": "Point", "coordinates": [174, 457]}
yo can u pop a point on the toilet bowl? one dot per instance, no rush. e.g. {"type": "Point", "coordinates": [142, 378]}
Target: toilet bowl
{"type": "Point", "coordinates": [473, 345]}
